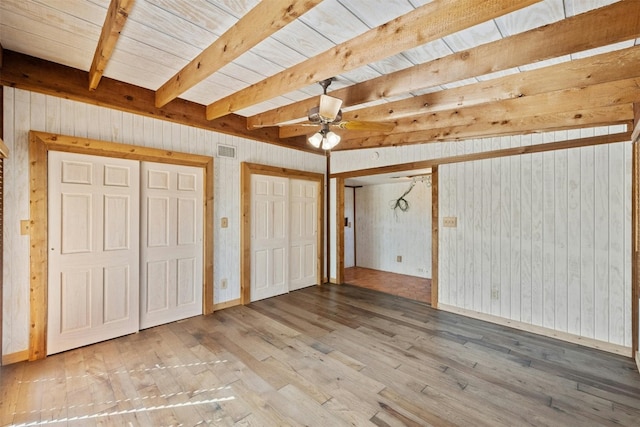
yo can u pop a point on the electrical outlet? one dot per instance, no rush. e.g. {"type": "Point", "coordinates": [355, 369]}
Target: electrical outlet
{"type": "Point", "coordinates": [495, 294]}
{"type": "Point", "coordinates": [420, 270]}
{"type": "Point", "coordinates": [450, 221]}
{"type": "Point", "coordinates": [223, 284]}
{"type": "Point", "coordinates": [399, 258]}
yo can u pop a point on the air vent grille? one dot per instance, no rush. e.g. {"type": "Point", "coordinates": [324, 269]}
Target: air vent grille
{"type": "Point", "coordinates": [226, 151]}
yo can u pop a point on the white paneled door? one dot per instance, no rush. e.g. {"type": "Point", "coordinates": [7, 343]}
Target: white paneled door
{"type": "Point", "coordinates": [93, 249]}
{"type": "Point", "coordinates": [269, 236]}
{"type": "Point", "coordinates": [171, 243]}
{"type": "Point", "coordinates": [284, 235]}
{"type": "Point", "coordinates": [126, 247]}
{"type": "Point", "coordinates": [303, 259]}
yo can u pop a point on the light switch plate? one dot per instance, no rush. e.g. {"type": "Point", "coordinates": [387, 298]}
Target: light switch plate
{"type": "Point", "coordinates": [224, 222]}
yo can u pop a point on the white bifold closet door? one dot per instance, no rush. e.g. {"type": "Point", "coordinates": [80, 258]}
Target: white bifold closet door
{"type": "Point", "coordinates": [284, 247]}
{"type": "Point", "coordinates": [303, 202]}
{"type": "Point", "coordinates": [269, 236]}
{"type": "Point", "coordinates": [125, 247]}
{"type": "Point", "coordinates": [93, 249]}
{"type": "Point", "coordinates": [171, 243]}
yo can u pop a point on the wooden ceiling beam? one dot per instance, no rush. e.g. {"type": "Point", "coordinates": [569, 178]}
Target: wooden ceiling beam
{"type": "Point", "coordinates": [588, 71]}
{"type": "Point", "coordinates": [608, 72]}
{"type": "Point", "coordinates": [558, 102]}
{"type": "Point", "coordinates": [568, 37]}
{"type": "Point", "coordinates": [117, 15]}
{"type": "Point", "coordinates": [259, 23]}
{"type": "Point", "coordinates": [424, 24]}
{"type": "Point", "coordinates": [542, 122]}
{"type": "Point", "coordinates": [38, 75]}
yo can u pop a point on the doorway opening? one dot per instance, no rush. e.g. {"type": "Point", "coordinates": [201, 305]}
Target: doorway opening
{"type": "Point", "coordinates": [387, 233]}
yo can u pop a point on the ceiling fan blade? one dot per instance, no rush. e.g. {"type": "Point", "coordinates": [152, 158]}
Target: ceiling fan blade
{"type": "Point", "coordinates": [370, 126]}
{"type": "Point", "coordinates": [329, 107]}
{"type": "Point", "coordinates": [288, 131]}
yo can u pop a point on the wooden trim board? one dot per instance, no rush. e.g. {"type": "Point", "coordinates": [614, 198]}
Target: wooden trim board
{"type": "Point", "coordinates": [227, 304]}
{"type": "Point", "coordinates": [327, 208]}
{"type": "Point", "coordinates": [248, 169]}
{"type": "Point", "coordinates": [564, 336]}
{"type": "Point", "coordinates": [339, 231]}
{"type": "Point", "coordinates": [40, 144]}
{"type": "Point", "coordinates": [20, 356]}
{"type": "Point", "coordinates": [635, 136]}
{"type": "Point", "coordinates": [38, 254]}
{"type": "Point", "coordinates": [635, 246]}
{"type": "Point", "coordinates": [434, 236]}
{"type": "Point", "coordinates": [635, 233]}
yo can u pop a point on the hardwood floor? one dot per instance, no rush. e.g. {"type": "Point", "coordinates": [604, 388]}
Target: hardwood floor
{"type": "Point", "coordinates": [412, 287]}
{"type": "Point", "coordinates": [325, 356]}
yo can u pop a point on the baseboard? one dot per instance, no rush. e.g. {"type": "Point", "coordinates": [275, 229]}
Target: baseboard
{"type": "Point", "coordinates": [564, 336]}
{"type": "Point", "coordinates": [20, 356]}
{"type": "Point", "coordinates": [226, 304]}
{"type": "Point", "coordinates": [638, 360]}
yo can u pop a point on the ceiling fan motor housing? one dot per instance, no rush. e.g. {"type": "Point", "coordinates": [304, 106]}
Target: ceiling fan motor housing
{"type": "Point", "coordinates": [315, 117]}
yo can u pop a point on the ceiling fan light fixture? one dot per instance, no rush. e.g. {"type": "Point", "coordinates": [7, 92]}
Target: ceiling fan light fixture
{"type": "Point", "coordinates": [324, 139]}
{"type": "Point", "coordinates": [330, 140]}
{"type": "Point", "coordinates": [316, 139]}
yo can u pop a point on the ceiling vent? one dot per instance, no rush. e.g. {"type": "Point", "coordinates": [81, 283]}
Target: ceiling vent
{"type": "Point", "coordinates": [228, 151]}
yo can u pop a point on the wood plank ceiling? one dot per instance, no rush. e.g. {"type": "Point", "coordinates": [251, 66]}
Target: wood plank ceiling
{"type": "Point", "coordinates": [439, 70]}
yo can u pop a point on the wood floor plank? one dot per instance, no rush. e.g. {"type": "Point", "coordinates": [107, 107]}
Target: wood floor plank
{"type": "Point", "coordinates": [303, 409]}
{"type": "Point", "coordinates": [388, 417]}
{"type": "Point", "coordinates": [350, 407]}
{"type": "Point", "coordinates": [297, 378]}
{"type": "Point", "coordinates": [420, 411]}
{"type": "Point", "coordinates": [262, 412]}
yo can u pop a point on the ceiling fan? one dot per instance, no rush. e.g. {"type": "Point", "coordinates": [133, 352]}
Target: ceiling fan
{"type": "Point", "coordinates": [328, 114]}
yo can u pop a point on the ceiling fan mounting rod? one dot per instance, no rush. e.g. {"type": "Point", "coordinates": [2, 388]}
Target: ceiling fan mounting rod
{"type": "Point", "coordinates": [326, 83]}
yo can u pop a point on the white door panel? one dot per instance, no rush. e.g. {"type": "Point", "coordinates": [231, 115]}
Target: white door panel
{"type": "Point", "coordinates": [93, 249]}
{"type": "Point", "coordinates": [283, 236]}
{"type": "Point", "coordinates": [303, 229]}
{"type": "Point", "coordinates": [269, 236]}
{"type": "Point", "coordinates": [171, 243]}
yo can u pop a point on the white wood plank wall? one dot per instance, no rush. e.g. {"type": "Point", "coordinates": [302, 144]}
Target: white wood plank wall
{"type": "Point", "coordinates": [383, 234]}
{"type": "Point", "coordinates": [24, 111]}
{"type": "Point", "coordinates": [542, 239]}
